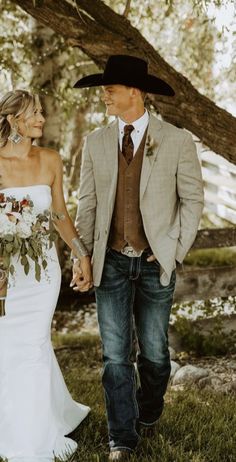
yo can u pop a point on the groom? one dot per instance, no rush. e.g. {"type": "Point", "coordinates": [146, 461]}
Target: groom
{"type": "Point", "coordinates": [140, 203]}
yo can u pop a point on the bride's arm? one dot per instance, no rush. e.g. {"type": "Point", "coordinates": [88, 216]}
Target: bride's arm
{"type": "Point", "coordinates": [64, 224]}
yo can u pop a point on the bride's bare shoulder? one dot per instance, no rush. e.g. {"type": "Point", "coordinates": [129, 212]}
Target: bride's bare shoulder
{"type": "Point", "coordinates": [46, 153]}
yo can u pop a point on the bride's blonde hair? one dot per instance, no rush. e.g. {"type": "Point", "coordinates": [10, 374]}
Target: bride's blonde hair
{"type": "Point", "coordinates": [15, 103]}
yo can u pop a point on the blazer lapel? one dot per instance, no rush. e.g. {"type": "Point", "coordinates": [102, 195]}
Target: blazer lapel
{"type": "Point", "coordinates": [152, 146]}
{"type": "Point", "coordinates": [110, 138]}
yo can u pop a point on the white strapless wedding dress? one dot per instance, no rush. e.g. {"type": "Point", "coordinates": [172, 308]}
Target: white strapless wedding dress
{"type": "Point", "coordinates": [36, 408]}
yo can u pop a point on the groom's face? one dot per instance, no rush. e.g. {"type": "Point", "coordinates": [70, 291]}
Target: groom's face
{"type": "Point", "coordinates": [118, 99]}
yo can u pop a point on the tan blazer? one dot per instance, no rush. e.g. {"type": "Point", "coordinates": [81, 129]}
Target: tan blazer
{"type": "Point", "coordinates": [171, 193]}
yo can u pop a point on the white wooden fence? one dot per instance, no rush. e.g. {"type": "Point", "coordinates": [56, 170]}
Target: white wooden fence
{"type": "Point", "coordinates": [219, 177]}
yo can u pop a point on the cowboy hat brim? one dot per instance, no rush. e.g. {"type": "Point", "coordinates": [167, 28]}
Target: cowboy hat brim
{"type": "Point", "coordinates": [150, 84]}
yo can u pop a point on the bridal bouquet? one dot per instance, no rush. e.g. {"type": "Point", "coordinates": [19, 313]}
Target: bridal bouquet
{"type": "Point", "coordinates": [25, 234]}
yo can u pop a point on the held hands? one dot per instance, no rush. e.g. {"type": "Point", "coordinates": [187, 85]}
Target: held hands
{"type": "Point", "coordinates": [82, 275]}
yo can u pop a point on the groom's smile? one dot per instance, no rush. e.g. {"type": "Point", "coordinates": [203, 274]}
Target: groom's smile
{"type": "Point", "coordinates": [121, 101]}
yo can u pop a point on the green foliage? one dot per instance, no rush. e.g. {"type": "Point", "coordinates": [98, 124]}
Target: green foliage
{"type": "Point", "coordinates": [26, 47]}
{"type": "Point", "coordinates": [181, 32]}
{"type": "Point", "coordinates": [35, 58]}
{"type": "Point", "coordinates": [187, 319]}
{"type": "Point", "coordinates": [215, 342]}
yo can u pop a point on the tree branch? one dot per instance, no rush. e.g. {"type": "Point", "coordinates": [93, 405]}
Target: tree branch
{"type": "Point", "coordinates": [99, 32]}
{"type": "Point", "coordinates": [127, 9]}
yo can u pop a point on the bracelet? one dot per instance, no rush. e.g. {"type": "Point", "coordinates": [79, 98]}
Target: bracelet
{"type": "Point", "coordinates": [79, 247]}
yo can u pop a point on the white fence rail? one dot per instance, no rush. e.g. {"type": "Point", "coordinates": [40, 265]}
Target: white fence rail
{"type": "Point", "coordinates": [219, 177]}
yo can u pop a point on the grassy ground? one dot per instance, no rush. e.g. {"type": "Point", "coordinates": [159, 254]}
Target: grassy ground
{"type": "Point", "coordinates": [196, 426]}
{"type": "Point", "coordinates": [211, 257]}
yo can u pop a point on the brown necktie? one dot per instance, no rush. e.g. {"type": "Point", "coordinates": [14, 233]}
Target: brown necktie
{"type": "Point", "coordinates": [127, 144]}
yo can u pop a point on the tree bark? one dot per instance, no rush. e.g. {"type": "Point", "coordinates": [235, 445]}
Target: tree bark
{"type": "Point", "coordinates": [99, 32]}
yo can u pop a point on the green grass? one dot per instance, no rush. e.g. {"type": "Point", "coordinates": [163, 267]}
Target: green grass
{"type": "Point", "coordinates": [196, 426]}
{"type": "Point", "coordinates": [211, 257]}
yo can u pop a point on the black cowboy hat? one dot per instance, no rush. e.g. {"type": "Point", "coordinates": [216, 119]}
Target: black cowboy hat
{"type": "Point", "coordinates": [129, 71]}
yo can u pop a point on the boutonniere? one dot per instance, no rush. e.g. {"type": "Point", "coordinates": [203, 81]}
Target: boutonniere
{"type": "Point", "coordinates": [151, 145]}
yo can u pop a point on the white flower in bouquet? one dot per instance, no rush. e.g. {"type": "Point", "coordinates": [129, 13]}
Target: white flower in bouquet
{"type": "Point", "coordinates": [7, 225]}
{"type": "Point", "coordinates": [8, 207]}
{"type": "Point", "coordinates": [29, 217]}
{"type": "Point", "coordinates": [3, 222]}
{"type": "Point", "coordinates": [23, 229]}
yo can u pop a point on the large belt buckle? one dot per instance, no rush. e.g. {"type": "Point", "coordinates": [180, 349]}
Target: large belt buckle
{"type": "Point", "coordinates": [130, 252]}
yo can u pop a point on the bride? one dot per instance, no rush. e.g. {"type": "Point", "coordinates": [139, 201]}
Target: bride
{"type": "Point", "coordinates": [36, 408]}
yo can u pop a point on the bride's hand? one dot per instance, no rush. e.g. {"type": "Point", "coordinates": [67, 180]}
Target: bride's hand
{"type": "Point", "coordinates": [82, 275]}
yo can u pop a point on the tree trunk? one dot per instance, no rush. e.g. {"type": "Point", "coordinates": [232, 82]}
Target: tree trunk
{"type": "Point", "coordinates": [76, 149]}
{"type": "Point", "coordinates": [43, 79]}
{"type": "Point", "coordinates": [99, 31]}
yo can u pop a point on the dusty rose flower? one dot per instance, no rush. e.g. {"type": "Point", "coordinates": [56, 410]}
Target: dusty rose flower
{"type": "Point", "coordinates": [24, 203]}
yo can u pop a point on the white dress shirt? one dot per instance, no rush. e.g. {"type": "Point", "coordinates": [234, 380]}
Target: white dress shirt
{"type": "Point", "coordinates": [139, 125]}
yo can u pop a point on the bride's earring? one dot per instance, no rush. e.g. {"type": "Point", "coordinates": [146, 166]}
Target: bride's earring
{"type": "Point", "coordinates": [14, 136]}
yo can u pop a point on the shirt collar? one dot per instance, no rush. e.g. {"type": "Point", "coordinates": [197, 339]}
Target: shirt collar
{"type": "Point", "coordinates": [139, 124]}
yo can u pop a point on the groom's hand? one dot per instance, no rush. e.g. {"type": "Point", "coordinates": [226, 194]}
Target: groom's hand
{"type": "Point", "coordinates": [82, 275]}
{"type": "Point", "coordinates": [78, 282]}
{"type": "Point", "coordinates": [151, 258]}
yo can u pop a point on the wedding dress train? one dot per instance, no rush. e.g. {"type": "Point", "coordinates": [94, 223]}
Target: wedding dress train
{"type": "Point", "coordinates": [36, 408]}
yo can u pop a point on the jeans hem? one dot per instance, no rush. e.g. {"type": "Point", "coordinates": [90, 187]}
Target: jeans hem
{"type": "Point", "coordinates": [148, 424]}
{"type": "Point", "coordinates": [121, 448]}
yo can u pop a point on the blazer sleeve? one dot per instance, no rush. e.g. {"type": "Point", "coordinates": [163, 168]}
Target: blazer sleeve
{"type": "Point", "coordinates": [190, 191]}
{"type": "Point", "coordinates": [86, 212]}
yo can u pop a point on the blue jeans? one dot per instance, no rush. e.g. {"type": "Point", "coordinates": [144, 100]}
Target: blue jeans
{"type": "Point", "coordinates": [130, 289]}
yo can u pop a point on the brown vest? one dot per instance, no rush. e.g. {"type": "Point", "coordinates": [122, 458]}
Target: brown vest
{"type": "Point", "coordinates": [127, 224]}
